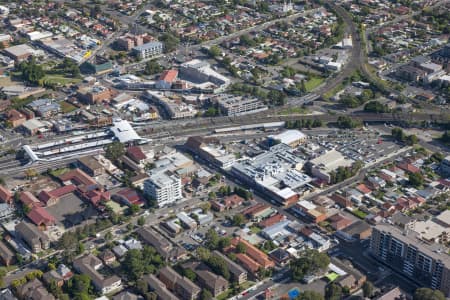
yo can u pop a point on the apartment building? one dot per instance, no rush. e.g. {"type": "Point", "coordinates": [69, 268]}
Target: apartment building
{"type": "Point", "coordinates": [423, 262]}
{"type": "Point", "coordinates": [148, 50]}
{"type": "Point", "coordinates": [164, 187]}
{"type": "Point", "coordinates": [232, 105]}
{"type": "Point", "coordinates": [182, 286]}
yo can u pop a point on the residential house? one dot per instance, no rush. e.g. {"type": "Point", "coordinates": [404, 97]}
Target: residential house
{"type": "Point", "coordinates": [107, 257]}
{"type": "Point", "coordinates": [53, 277]}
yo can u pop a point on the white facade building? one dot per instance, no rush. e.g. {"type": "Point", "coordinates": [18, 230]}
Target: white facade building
{"type": "Point", "coordinates": [164, 187]}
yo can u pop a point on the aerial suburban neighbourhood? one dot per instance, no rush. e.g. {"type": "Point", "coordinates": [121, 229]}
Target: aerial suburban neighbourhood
{"type": "Point", "coordinates": [228, 149]}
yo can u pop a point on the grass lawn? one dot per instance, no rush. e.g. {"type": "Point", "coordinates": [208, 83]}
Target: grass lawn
{"type": "Point", "coordinates": [293, 110]}
{"type": "Point", "coordinates": [225, 295]}
{"type": "Point", "coordinates": [60, 79]}
{"type": "Point", "coordinates": [59, 172]}
{"type": "Point", "coordinates": [255, 229]}
{"type": "Point", "coordinates": [313, 82]}
{"type": "Point", "coordinates": [358, 213]}
{"type": "Point", "coordinates": [66, 107]}
{"type": "Point", "coordinates": [333, 92]}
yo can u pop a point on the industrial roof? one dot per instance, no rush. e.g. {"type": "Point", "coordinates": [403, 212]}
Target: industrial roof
{"type": "Point", "coordinates": [123, 131]}
{"type": "Point", "coordinates": [289, 136]}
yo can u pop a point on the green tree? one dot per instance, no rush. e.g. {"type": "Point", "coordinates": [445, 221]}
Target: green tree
{"type": "Point", "coordinates": [241, 248]}
{"type": "Point", "coordinates": [367, 289]}
{"type": "Point", "coordinates": [152, 67]}
{"type": "Point", "coordinates": [224, 242]}
{"type": "Point", "coordinates": [428, 294]}
{"type": "Point", "coordinates": [212, 239]}
{"type": "Point", "coordinates": [189, 274]}
{"type": "Point", "coordinates": [333, 292]}
{"type": "Point", "coordinates": [310, 262]}
{"type": "Point", "coordinates": [416, 179]}
{"type": "Point", "coordinates": [114, 150]}
{"type": "Point", "coordinates": [134, 209]}
{"type": "Point", "coordinates": [206, 295]}
{"type": "Point", "coordinates": [238, 220]}
{"type": "Point", "coordinates": [31, 71]}
{"type": "Point", "coordinates": [79, 284]}
{"type": "Point", "coordinates": [141, 221]}
{"type": "Point", "coordinates": [170, 41]}
{"type": "Point", "coordinates": [133, 265]}
{"type": "Point", "coordinates": [310, 295]}
{"type": "Point", "coordinates": [214, 51]}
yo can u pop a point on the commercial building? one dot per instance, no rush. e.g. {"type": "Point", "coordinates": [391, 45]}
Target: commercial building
{"type": "Point", "coordinates": [94, 94]}
{"type": "Point", "coordinates": [232, 105]}
{"type": "Point", "coordinates": [292, 138]}
{"type": "Point", "coordinates": [201, 73]}
{"type": "Point", "coordinates": [275, 173]}
{"type": "Point", "coordinates": [172, 104]}
{"type": "Point", "coordinates": [164, 187]}
{"type": "Point", "coordinates": [322, 166]}
{"type": "Point", "coordinates": [90, 165]}
{"type": "Point", "coordinates": [404, 251]}
{"type": "Point", "coordinates": [19, 52]}
{"type": "Point", "coordinates": [210, 150]}
{"type": "Point", "coordinates": [148, 50]}
{"type": "Point", "coordinates": [166, 79]}
{"type": "Point", "coordinates": [45, 107]}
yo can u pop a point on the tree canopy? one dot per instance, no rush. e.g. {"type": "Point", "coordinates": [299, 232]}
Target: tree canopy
{"type": "Point", "coordinates": [428, 294]}
{"type": "Point", "coordinates": [310, 262]}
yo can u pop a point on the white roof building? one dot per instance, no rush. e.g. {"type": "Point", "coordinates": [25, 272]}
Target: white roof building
{"type": "Point", "coordinates": [124, 132]}
{"type": "Point", "coordinates": [290, 137]}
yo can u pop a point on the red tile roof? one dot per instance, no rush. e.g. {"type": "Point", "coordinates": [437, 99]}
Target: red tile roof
{"type": "Point", "coordinates": [363, 189]}
{"type": "Point", "coordinates": [252, 210]}
{"type": "Point", "coordinates": [169, 76]}
{"type": "Point", "coordinates": [28, 199]}
{"type": "Point", "coordinates": [232, 201]}
{"type": "Point", "coordinates": [248, 263]}
{"type": "Point", "coordinates": [136, 154]}
{"type": "Point", "coordinates": [40, 216]}
{"type": "Point", "coordinates": [408, 168]}
{"type": "Point", "coordinates": [78, 177]}
{"type": "Point", "coordinates": [254, 253]}
{"type": "Point", "coordinates": [44, 195]}
{"type": "Point", "coordinates": [131, 196]}
{"type": "Point", "coordinates": [5, 194]}
{"type": "Point", "coordinates": [96, 196]}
